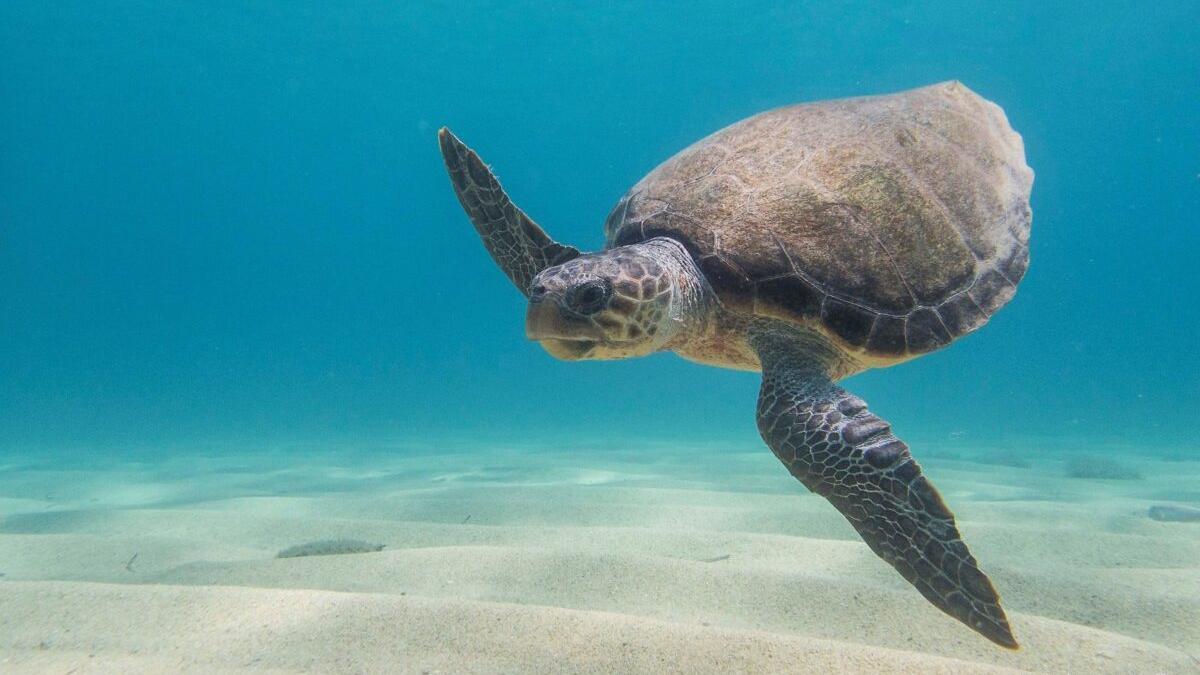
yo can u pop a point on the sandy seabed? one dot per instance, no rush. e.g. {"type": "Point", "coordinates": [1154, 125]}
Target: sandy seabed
{"type": "Point", "coordinates": [657, 558]}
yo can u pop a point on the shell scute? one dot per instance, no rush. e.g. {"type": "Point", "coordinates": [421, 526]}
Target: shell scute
{"type": "Point", "coordinates": [887, 336]}
{"type": "Point", "coordinates": [961, 315]}
{"type": "Point", "coordinates": [788, 298]}
{"type": "Point", "coordinates": [924, 331]}
{"type": "Point", "coordinates": [851, 322]}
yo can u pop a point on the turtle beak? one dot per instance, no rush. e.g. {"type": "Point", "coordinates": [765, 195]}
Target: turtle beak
{"type": "Point", "coordinates": [562, 336]}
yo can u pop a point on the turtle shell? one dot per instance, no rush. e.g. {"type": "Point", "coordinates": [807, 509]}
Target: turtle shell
{"type": "Point", "coordinates": [894, 224]}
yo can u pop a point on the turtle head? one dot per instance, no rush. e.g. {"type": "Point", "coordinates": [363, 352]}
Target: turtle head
{"type": "Point", "coordinates": [627, 301]}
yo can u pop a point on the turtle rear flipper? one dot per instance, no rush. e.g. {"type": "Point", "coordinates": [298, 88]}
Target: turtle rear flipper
{"type": "Point", "coordinates": [830, 442]}
{"type": "Point", "coordinates": [515, 242]}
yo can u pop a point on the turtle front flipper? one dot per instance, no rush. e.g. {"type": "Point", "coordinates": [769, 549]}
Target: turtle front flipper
{"type": "Point", "coordinates": [830, 442]}
{"type": "Point", "coordinates": [515, 242]}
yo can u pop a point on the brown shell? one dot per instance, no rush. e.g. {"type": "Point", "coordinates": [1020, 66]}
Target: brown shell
{"type": "Point", "coordinates": [892, 223]}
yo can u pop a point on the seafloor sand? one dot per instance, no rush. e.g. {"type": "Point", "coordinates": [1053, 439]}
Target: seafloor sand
{"type": "Point", "coordinates": [658, 559]}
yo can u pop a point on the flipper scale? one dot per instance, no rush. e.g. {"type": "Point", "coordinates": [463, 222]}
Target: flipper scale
{"type": "Point", "coordinates": [515, 242]}
{"type": "Point", "coordinates": [832, 443]}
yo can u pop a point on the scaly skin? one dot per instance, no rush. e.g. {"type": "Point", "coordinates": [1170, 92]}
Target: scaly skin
{"type": "Point", "coordinates": [515, 242]}
{"type": "Point", "coordinates": [647, 297]}
{"type": "Point", "coordinates": [835, 446]}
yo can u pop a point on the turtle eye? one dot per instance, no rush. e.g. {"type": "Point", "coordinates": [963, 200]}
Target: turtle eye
{"type": "Point", "coordinates": [590, 297]}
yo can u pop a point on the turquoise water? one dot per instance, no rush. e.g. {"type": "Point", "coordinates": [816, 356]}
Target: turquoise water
{"type": "Point", "coordinates": [230, 225]}
{"type": "Point", "coordinates": [225, 229]}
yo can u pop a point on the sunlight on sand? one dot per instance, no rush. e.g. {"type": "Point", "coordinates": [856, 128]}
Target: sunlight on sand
{"type": "Point", "coordinates": [662, 560]}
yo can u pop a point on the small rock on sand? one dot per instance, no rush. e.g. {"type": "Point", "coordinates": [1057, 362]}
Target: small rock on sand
{"type": "Point", "coordinates": [1174, 514]}
{"type": "Point", "coordinates": [329, 547]}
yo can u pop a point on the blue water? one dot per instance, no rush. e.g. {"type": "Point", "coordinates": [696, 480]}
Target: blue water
{"type": "Point", "coordinates": [234, 280]}
{"type": "Point", "coordinates": [230, 223]}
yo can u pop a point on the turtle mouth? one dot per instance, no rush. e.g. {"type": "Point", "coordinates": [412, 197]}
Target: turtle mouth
{"type": "Point", "coordinates": [568, 349]}
{"type": "Point", "coordinates": [564, 337]}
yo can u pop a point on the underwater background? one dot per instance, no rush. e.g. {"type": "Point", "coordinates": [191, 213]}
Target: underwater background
{"type": "Point", "coordinates": [230, 223]}
{"type": "Point", "coordinates": [226, 230]}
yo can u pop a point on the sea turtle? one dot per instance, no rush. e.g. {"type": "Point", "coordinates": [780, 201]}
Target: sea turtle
{"type": "Point", "coordinates": [810, 243]}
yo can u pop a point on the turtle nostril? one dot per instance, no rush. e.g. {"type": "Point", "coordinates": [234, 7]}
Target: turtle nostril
{"type": "Point", "coordinates": [537, 293]}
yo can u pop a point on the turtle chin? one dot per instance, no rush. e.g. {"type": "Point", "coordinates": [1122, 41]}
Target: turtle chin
{"type": "Point", "coordinates": [567, 349]}
{"type": "Point", "coordinates": [563, 335]}
{"type": "Point", "coordinates": [571, 349]}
